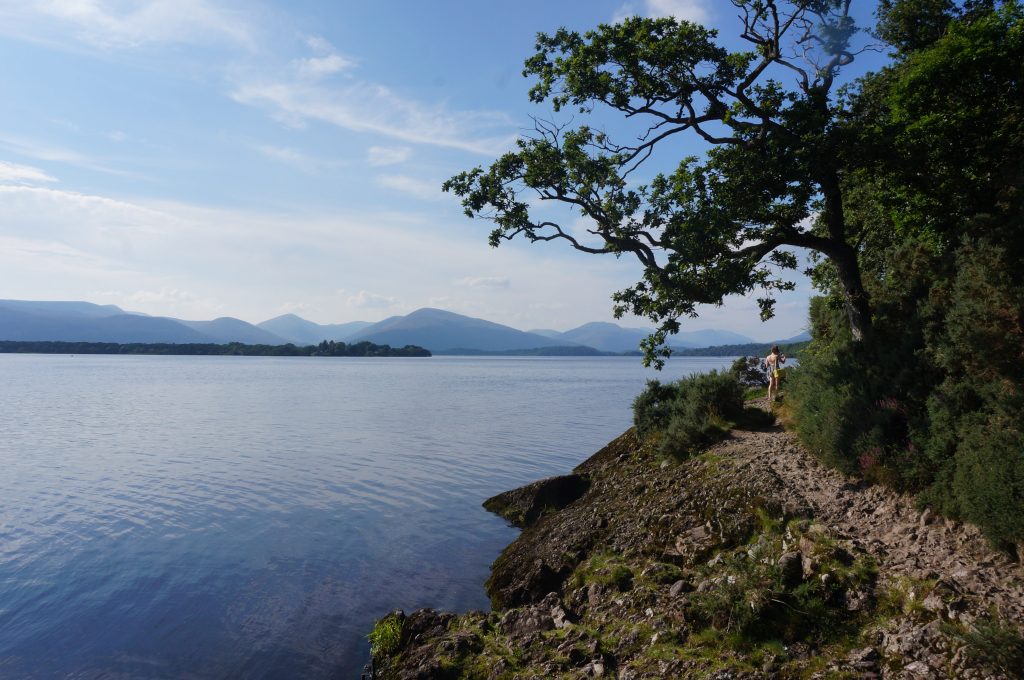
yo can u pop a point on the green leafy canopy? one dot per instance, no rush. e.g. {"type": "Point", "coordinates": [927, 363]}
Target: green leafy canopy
{"type": "Point", "coordinates": [715, 226]}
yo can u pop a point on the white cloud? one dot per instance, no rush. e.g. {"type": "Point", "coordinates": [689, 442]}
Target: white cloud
{"type": "Point", "coordinates": [697, 11]}
{"type": "Point", "coordinates": [417, 188]}
{"type": "Point", "coordinates": [372, 300]}
{"type": "Point", "coordinates": [483, 282]}
{"type": "Point", "coordinates": [689, 10]}
{"type": "Point", "coordinates": [318, 67]}
{"type": "Point", "coordinates": [319, 44]}
{"type": "Point", "coordinates": [368, 107]}
{"type": "Point", "coordinates": [110, 24]}
{"type": "Point", "coordinates": [23, 174]}
{"type": "Point", "coordinates": [387, 155]}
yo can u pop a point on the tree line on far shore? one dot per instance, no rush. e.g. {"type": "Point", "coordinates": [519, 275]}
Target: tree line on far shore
{"type": "Point", "coordinates": [324, 349]}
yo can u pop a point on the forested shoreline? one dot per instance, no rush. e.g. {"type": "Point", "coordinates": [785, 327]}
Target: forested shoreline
{"type": "Point", "coordinates": [324, 349]}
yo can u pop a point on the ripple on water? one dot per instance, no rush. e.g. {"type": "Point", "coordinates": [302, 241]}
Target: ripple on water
{"type": "Point", "coordinates": [213, 517]}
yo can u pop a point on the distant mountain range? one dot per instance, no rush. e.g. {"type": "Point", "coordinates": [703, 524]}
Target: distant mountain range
{"type": "Point", "coordinates": [434, 329]}
{"type": "Point", "coordinates": [301, 332]}
{"type": "Point", "coordinates": [610, 337]}
{"type": "Point", "coordinates": [442, 331]}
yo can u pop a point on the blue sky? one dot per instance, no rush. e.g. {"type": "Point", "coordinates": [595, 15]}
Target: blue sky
{"type": "Point", "coordinates": [200, 158]}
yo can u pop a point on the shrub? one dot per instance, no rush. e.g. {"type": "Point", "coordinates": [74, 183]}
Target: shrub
{"type": "Point", "coordinates": [689, 414]}
{"type": "Point", "coordinates": [385, 637]}
{"type": "Point", "coordinates": [652, 408]}
{"type": "Point", "coordinates": [749, 372]}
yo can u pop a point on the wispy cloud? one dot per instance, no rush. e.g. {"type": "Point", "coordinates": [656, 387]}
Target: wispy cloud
{"type": "Point", "coordinates": [56, 154]}
{"type": "Point", "coordinates": [315, 68]}
{"type": "Point", "coordinates": [366, 299]}
{"type": "Point", "coordinates": [697, 11]}
{"type": "Point", "coordinates": [369, 107]}
{"type": "Point", "coordinates": [297, 159]}
{"type": "Point", "coordinates": [484, 282]}
{"type": "Point", "coordinates": [388, 155]}
{"type": "Point", "coordinates": [417, 188]}
{"type": "Point", "coordinates": [23, 174]}
{"type": "Point", "coordinates": [109, 24]}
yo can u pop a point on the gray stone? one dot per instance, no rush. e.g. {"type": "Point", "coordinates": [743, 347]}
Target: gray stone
{"type": "Point", "coordinates": [679, 587]}
{"type": "Point", "coordinates": [918, 669]}
{"type": "Point", "coordinates": [791, 566]}
{"type": "Point", "coordinates": [934, 603]}
{"type": "Point", "coordinates": [808, 565]}
{"type": "Point", "coordinates": [865, 658]}
{"type": "Point", "coordinates": [525, 622]}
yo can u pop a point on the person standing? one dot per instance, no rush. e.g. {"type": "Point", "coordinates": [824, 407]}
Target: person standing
{"type": "Point", "coordinates": [773, 363]}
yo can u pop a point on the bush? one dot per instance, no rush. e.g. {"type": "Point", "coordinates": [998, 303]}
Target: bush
{"type": "Point", "coordinates": [652, 408]}
{"type": "Point", "coordinates": [749, 372]}
{"type": "Point", "coordinates": [385, 637]}
{"type": "Point", "coordinates": [690, 414]}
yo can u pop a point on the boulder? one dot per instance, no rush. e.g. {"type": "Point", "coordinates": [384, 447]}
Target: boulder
{"type": "Point", "coordinates": [525, 505]}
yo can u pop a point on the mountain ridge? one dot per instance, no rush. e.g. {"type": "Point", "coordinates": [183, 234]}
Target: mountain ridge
{"type": "Point", "coordinates": [436, 329]}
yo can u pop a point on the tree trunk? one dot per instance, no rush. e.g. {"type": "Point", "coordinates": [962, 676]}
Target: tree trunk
{"type": "Point", "coordinates": [843, 255]}
{"type": "Point", "coordinates": [858, 305]}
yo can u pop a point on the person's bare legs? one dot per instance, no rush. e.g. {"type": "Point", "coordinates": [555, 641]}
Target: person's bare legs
{"type": "Point", "coordinates": [773, 384]}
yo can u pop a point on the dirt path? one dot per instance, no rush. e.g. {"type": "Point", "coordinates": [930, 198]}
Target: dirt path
{"type": "Point", "coordinates": [904, 541]}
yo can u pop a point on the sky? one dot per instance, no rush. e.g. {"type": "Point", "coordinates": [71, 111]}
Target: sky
{"type": "Point", "coordinates": [250, 158]}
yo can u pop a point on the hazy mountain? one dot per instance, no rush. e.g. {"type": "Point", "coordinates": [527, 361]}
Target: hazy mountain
{"type": "Point", "coordinates": [438, 330]}
{"type": "Point", "coordinates": [610, 337]}
{"type": "Point", "coordinates": [302, 332]}
{"type": "Point", "coordinates": [227, 329]}
{"type": "Point", "coordinates": [607, 337]}
{"type": "Point", "coordinates": [708, 338]}
{"type": "Point", "coordinates": [433, 329]}
{"type": "Point", "coordinates": [58, 308]}
{"type": "Point", "coordinates": [800, 337]}
{"type": "Point", "coordinates": [61, 323]}
{"type": "Point", "coordinates": [546, 332]}
{"type": "Point", "coordinates": [86, 322]}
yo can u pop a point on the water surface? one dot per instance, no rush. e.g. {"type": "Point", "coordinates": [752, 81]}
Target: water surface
{"type": "Point", "coordinates": [249, 517]}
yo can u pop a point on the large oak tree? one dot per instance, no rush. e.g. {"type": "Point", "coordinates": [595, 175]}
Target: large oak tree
{"type": "Point", "coordinates": [718, 225]}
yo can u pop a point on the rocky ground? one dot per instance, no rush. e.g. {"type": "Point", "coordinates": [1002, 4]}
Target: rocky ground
{"type": "Point", "coordinates": [749, 561]}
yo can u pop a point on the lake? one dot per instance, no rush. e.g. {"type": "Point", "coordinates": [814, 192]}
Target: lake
{"type": "Point", "coordinates": [249, 517]}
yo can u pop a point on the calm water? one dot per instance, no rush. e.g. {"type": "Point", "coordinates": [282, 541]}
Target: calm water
{"type": "Point", "coordinates": [223, 517]}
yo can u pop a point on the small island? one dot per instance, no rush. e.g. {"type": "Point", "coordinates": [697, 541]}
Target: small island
{"type": "Point", "coordinates": [324, 349]}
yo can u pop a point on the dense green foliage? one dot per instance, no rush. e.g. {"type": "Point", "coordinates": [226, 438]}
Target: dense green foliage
{"type": "Point", "coordinates": [933, 402]}
{"type": "Point", "coordinates": [757, 349]}
{"type": "Point", "coordinates": [690, 414]}
{"type": "Point", "coordinates": [324, 349]}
